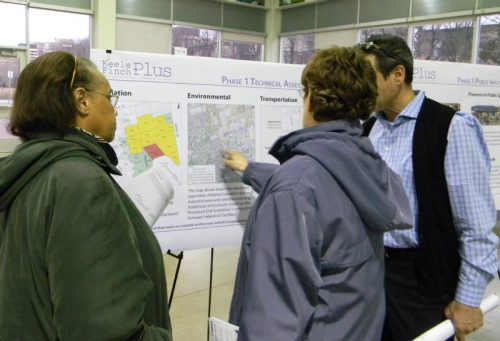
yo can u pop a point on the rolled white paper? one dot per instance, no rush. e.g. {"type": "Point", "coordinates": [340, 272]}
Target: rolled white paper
{"type": "Point", "coordinates": [151, 192]}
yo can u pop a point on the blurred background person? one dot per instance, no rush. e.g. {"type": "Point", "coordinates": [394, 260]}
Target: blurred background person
{"type": "Point", "coordinates": [77, 259]}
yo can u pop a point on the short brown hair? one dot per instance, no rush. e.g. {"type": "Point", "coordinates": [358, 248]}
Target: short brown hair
{"type": "Point", "coordinates": [342, 84]}
{"type": "Point", "coordinates": [43, 101]}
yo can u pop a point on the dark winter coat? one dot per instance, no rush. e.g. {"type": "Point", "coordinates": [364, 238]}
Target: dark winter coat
{"type": "Point", "coordinates": [77, 259]}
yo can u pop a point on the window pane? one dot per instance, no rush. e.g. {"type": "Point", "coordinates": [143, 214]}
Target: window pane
{"type": "Point", "coordinates": [289, 2]}
{"type": "Point", "coordinates": [254, 2]}
{"type": "Point", "coordinates": [243, 51]}
{"type": "Point", "coordinates": [9, 72]}
{"type": "Point", "coordinates": [196, 41]}
{"type": "Point", "coordinates": [56, 31]}
{"type": "Point", "coordinates": [489, 40]}
{"type": "Point", "coordinates": [297, 49]}
{"type": "Point", "coordinates": [401, 32]}
{"type": "Point", "coordinates": [12, 25]}
{"type": "Point", "coordinates": [451, 42]}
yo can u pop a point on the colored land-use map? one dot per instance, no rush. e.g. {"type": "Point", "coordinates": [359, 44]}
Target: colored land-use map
{"type": "Point", "coordinates": [145, 134]}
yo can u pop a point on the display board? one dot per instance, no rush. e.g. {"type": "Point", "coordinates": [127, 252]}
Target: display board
{"type": "Point", "coordinates": [184, 112]}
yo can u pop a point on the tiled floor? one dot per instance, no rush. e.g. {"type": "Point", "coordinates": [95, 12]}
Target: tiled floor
{"type": "Point", "coordinates": [189, 308]}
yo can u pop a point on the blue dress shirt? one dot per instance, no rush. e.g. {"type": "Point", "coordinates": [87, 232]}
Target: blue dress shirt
{"type": "Point", "coordinates": [467, 171]}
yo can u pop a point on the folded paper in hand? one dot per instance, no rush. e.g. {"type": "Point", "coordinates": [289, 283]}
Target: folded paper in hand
{"type": "Point", "coordinates": [151, 191]}
{"type": "Point", "coordinates": [222, 330]}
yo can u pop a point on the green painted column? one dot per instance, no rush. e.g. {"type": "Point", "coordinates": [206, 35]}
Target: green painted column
{"type": "Point", "coordinates": [104, 24]}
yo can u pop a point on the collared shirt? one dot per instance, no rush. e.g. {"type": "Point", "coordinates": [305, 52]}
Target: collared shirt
{"type": "Point", "coordinates": [467, 171]}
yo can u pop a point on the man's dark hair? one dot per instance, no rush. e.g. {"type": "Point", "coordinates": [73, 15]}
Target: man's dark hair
{"type": "Point", "coordinates": [390, 51]}
{"type": "Point", "coordinates": [342, 84]}
{"type": "Point", "coordinates": [43, 100]}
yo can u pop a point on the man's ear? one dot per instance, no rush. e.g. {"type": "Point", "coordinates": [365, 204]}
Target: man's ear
{"type": "Point", "coordinates": [399, 74]}
{"type": "Point", "coordinates": [81, 101]}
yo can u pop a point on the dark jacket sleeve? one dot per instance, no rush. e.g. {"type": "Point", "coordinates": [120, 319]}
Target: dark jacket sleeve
{"type": "Point", "coordinates": [98, 284]}
{"type": "Point", "coordinates": [257, 174]}
{"type": "Point", "coordinates": [283, 272]}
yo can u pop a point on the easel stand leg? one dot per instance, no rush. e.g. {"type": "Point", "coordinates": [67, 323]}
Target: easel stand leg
{"type": "Point", "coordinates": [179, 260]}
{"type": "Point", "coordinates": [210, 289]}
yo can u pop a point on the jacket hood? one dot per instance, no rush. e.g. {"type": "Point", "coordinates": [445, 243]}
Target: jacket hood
{"type": "Point", "coordinates": [29, 158]}
{"type": "Point", "coordinates": [352, 161]}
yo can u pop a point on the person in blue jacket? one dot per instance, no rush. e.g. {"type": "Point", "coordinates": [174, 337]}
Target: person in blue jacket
{"type": "Point", "coordinates": [311, 262]}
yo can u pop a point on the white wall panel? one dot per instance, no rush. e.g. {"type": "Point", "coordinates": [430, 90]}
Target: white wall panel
{"type": "Point", "coordinates": [142, 36]}
{"type": "Point", "coordinates": [339, 38]}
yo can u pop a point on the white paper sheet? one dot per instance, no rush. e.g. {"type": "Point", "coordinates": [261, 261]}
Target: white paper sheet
{"type": "Point", "coordinates": [151, 192]}
{"type": "Point", "coordinates": [222, 330]}
{"type": "Point", "coordinates": [445, 329]}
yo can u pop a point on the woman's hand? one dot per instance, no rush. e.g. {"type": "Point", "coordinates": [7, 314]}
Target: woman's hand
{"type": "Point", "coordinates": [235, 161]}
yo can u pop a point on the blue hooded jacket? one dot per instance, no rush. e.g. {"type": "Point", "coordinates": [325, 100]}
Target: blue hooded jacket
{"type": "Point", "coordinates": [311, 263]}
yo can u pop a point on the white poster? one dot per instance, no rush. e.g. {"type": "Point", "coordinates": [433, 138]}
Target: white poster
{"type": "Point", "coordinates": [183, 113]}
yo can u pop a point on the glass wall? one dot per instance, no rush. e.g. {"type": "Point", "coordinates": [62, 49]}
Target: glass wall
{"type": "Point", "coordinates": [13, 22]}
{"type": "Point", "coordinates": [253, 2]}
{"type": "Point", "coordinates": [12, 25]}
{"type": "Point", "coordinates": [297, 49]}
{"type": "Point", "coordinates": [401, 31]}
{"type": "Point", "coordinates": [449, 30]}
{"type": "Point", "coordinates": [242, 50]}
{"type": "Point", "coordinates": [450, 42]}
{"type": "Point", "coordinates": [489, 40]}
{"type": "Point", "coordinates": [10, 67]}
{"type": "Point", "coordinates": [194, 41]}
{"type": "Point", "coordinates": [30, 32]}
{"type": "Point", "coordinates": [58, 31]}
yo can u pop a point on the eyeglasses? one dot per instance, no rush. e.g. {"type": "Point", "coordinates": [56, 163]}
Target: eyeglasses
{"type": "Point", "coordinates": [74, 74]}
{"type": "Point", "coordinates": [113, 99]}
{"type": "Point", "coordinates": [371, 47]}
{"type": "Point", "coordinates": [302, 92]}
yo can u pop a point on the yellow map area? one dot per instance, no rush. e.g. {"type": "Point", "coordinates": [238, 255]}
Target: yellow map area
{"type": "Point", "coordinates": [151, 130]}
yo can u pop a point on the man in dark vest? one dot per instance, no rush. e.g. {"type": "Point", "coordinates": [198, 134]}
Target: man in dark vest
{"type": "Point", "coordinates": [441, 267]}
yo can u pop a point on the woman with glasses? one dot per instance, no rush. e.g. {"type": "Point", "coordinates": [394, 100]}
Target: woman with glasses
{"type": "Point", "coordinates": [77, 259]}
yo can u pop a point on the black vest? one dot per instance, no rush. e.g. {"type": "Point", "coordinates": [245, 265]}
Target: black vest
{"type": "Point", "coordinates": [439, 262]}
